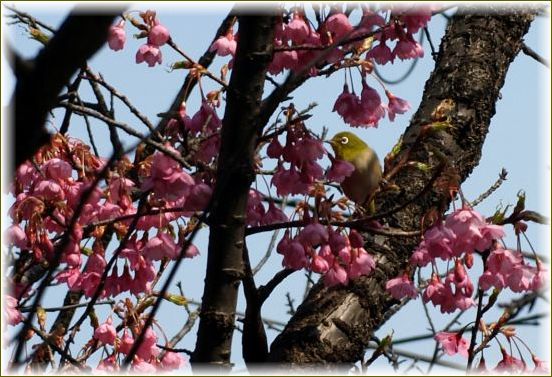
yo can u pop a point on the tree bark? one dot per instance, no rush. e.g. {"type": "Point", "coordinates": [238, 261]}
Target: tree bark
{"type": "Point", "coordinates": [334, 325]}
{"type": "Point", "coordinates": [235, 174]}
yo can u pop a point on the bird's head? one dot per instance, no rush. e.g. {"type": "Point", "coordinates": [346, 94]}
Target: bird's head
{"type": "Point", "coordinates": [347, 145]}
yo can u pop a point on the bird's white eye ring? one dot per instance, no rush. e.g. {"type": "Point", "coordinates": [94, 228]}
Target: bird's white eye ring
{"type": "Point", "coordinates": [344, 140]}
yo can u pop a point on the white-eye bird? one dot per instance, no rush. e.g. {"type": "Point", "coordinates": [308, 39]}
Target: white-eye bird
{"type": "Point", "coordinates": [367, 175]}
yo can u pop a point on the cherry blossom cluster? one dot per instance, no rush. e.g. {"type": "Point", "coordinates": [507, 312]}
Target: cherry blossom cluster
{"type": "Point", "coordinates": [338, 256]}
{"type": "Point", "coordinates": [454, 343]}
{"type": "Point", "coordinates": [463, 233]}
{"type": "Point", "coordinates": [456, 239]}
{"type": "Point", "coordinates": [148, 358]}
{"type": "Point", "coordinates": [201, 131]}
{"type": "Point", "coordinates": [49, 189]}
{"type": "Point", "coordinates": [368, 109]}
{"type": "Point", "coordinates": [295, 42]}
{"type": "Point", "coordinates": [157, 36]}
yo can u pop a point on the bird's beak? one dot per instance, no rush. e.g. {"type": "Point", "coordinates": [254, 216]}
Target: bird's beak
{"type": "Point", "coordinates": [331, 142]}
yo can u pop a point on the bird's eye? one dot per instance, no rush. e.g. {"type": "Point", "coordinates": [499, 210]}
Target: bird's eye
{"type": "Point", "coordinates": [344, 140]}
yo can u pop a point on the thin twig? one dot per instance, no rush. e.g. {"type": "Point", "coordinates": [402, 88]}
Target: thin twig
{"type": "Point", "coordinates": [129, 130]}
{"type": "Point", "coordinates": [59, 308]}
{"type": "Point", "coordinates": [533, 54]}
{"type": "Point", "coordinates": [501, 178]}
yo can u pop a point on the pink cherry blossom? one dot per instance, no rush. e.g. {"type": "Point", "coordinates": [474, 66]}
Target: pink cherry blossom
{"type": "Point", "coordinates": [255, 210]}
{"type": "Point", "coordinates": [417, 19]}
{"type": "Point", "coordinates": [274, 215]}
{"type": "Point", "coordinates": [172, 360]}
{"type": "Point", "coordinates": [158, 35]}
{"type": "Point", "coordinates": [396, 105]}
{"type": "Point", "coordinates": [288, 181]}
{"type": "Point", "coordinates": [126, 342]}
{"type": "Point", "coordinates": [541, 367]}
{"type": "Point", "coordinates": [370, 99]}
{"type": "Point", "coordinates": [26, 174]}
{"type": "Point", "coordinates": [319, 264]}
{"type": "Point", "coordinates": [205, 118]}
{"type": "Point", "coordinates": [109, 211]}
{"type": "Point", "coordinates": [401, 287]}
{"type": "Point", "coordinates": [435, 291]}
{"type": "Point", "coordinates": [471, 230]}
{"type": "Point", "coordinates": [106, 333]}
{"type": "Point", "coordinates": [362, 264]}
{"type": "Point", "coordinates": [381, 54]}
{"type": "Point", "coordinates": [199, 197]}
{"type": "Point", "coordinates": [296, 30]}
{"type": "Point", "coordinates": [336, 275]}
{"type": "Point", "coordinates": [191, 251]}
{"type": "Point", "coordinates": [49, 190]}
{"type": "Point", "coordinates": [408, 48]}
{"type": "Point", "coordinates": [108, 365]}
{"type": "Point", "coordinates": [89, 282]}
{"type": "Point", "coordinates": [13, 315]}
{"type": "Point", "coordinates": [118, 188]}
{"type": "Point", "coordinates": [338, 24]}
{"type": "Point", "coordinates": [337, 241]}
{"type": "Point", "coordinates": [117, 37]}
{"type": "Point", "coordinates": [510, 363]}
{"type": "Point", "coordinates": [274, 149]}
{"type": "Point", "coordinates": [225, 45]}
{"type": "Point", "coordinates": [346, 104]}
{"type": "Point", "coordinates": [314, 234]}
{"type": "Point", "coordinates": [294, 255]}
{"type": "Point", "coordinates": [57, 169]}
{"type": "Point", "coordinates": [167, 179]}
{"type": "Point", "coordinates": [161, 246]}
{"type": "Point", "coordinates": [452, 343]}
{"type": "Point", "coordinates": [149, 53]}
{"type": "Point", "coordinates": [142, 367]}
{"type": "Point", "coordinates": [16, 236]}
{"type": "Point", "coordinates": [339, 170]}
{"type": "Point", "coordinates": [148, 347]}
{"type": "Point", "coordinates": [70, 276]}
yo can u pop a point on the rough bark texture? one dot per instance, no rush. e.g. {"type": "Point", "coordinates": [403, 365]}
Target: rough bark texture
{"type": "Point", "coordinates": [335, 324]}
{"type": "Point", "coordinates": [234, 176]}
{"type": "Point", "coordinates": [78, 38]}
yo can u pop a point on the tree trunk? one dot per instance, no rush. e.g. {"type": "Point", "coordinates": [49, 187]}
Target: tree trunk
{"type": "Point", "coordinates": [235, 174]}
{"type": "Point", "coordinates": [334, 325]}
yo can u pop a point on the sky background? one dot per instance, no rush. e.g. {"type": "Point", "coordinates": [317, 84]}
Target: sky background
{"type": "Point", "coordinates": [518, 141]}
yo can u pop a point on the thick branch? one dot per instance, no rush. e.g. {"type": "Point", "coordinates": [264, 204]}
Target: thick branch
{"type": "Point", "coordinates": [78, 38]}
{"type": "Point", "coordinates": [234, 176]}
{"type": "Point", "coordinates": [335, 324]}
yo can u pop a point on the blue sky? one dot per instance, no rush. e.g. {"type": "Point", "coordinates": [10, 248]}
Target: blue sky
{"type": "Point", "coordinates": [518, 139]}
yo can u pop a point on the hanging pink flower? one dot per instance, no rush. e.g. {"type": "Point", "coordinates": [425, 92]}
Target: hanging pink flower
{"type": "Point", "coordinates": [225, 45]}
{"type": "Point", "coordinates": [401, 287]}
{"type": "Point", "coordinates": [13, 315]}
{"type": "Point", "coordinates": [172, 360]}
{"type": "Point", "coordinates": [149, 53]}
{"type": "Point", "coordinates": [117, 37]}
{"type": "Point", "coordinates": [381, 54]}
{"type": "Point", "coordinates": [167, 179]}
{"type": "Point", "coordinates": [158, 35]}
{"type": "Point", "coordinates": [396, 105]}
{"type": "Point", "coordinates": [338, 24]}
{"type": "Point", "coordinates": [336, 275]}
{"type": "Point", "coordinates": [452, 343]}
{"type": "Point", "coordinates": [106, 333]}
{"type": "Point", "coordinates": [161, 246]}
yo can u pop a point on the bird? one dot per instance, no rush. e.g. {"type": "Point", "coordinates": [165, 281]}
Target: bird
{"type": "Point", "coordinates": [366, 177]}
